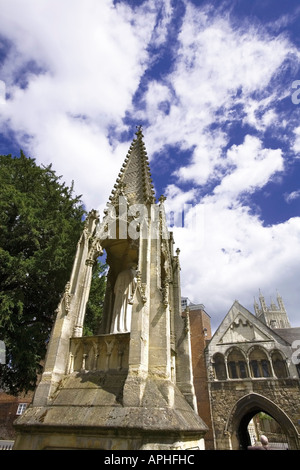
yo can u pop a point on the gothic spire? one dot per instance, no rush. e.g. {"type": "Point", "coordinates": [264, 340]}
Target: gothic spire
{"type": "Point", "coordinates": [134, 180]}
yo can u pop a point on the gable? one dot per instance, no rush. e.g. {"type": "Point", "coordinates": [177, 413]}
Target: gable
{"type": "Point", "coordinates": [241, 326]}
{"type": "Point", "coordinates": [242, 330]}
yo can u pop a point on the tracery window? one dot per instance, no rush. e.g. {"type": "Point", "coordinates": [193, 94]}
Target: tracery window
{"type": "Point", "coordinates": [219, 367]}
{"type": "Point", "coordinates": [279, 365]}
{"type": "Point", "coordinates": [21, 408]}
{"type": "Point", "coordinates": [233, 373]}
{"type": "Point", "coordinates": [237, 365]}
{"type": "Point", "coordinates": [259, 363]}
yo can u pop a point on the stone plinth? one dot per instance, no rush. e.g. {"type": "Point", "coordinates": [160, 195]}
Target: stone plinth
{"type": "Point", "coordinates": [88, 411]}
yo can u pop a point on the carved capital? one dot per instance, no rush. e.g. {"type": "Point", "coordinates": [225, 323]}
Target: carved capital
{"type": "Point", "coordinates": [90, 262]}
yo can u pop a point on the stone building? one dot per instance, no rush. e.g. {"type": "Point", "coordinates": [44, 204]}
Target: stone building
{"type": "Point", "coordinates": [251, 369]}
{"type": "Point", "coordinates": [200, 328]}
{"type": "Point", "coordinates": [274, 316]}
{"type": "Point", "coordinates": [10, 408]}
{"type": "Point", "coordinates": [131, 386]}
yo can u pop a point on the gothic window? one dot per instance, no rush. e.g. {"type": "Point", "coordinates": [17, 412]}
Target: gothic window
{"type": "Point", "coordinates": [232, 369]}
{"type": "Point", "coordinates": [183, 304]}
{"type": "Point", "coordinates": [21, 408]}
{"type": "Point", "coordinates": [237, 366]}
{"type": "Point", "coordinates": [265, 367]}
{"type": "Point", "coordinates": [279, 365]}
{"type": "Point", "coordinates": [259, 363]}
{"type": "Point", "coordinates": [254, 368]}
{"type": "Point", "coordinates": [219, 366]}
{"type": "Point", "coordinates": [243, 369]}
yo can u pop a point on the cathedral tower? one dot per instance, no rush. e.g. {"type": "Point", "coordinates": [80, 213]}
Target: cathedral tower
{"type": "Point", "coordinates": [129, 387]}
{"type": "Point", "coordinates": [274, 316]}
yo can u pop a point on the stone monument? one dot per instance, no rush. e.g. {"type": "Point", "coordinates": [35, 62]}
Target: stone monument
{"type": "Point", "coordinates": [130, 387]}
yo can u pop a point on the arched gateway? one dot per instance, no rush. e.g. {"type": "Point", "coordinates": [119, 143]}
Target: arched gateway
{"type": "Point", "coordinates": [243, 412]}
{"type": "Point", "coordinates": [250, 371]}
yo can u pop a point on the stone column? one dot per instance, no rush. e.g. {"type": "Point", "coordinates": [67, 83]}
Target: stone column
{"type": "Point", "coordinates": [184, 371]}
{"type": "Point", "coordinates": [84, 297]}
{"type": "Point", "coordinates": [139, 334]}
{"type": "Point", "coordinates": [67, 316]}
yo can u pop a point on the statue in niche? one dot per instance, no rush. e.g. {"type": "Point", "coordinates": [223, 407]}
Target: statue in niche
{"type": "Point", "coordinates": [124, 290]}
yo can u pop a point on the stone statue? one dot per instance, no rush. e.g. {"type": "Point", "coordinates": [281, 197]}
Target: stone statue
{"type": "Point", "coordinates": [124, 290]}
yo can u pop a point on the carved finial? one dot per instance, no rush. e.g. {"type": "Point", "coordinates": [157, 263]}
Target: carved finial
{"type": "Point", "coordinates": [139, 129]}
{"type": "Point", "coordinates": [177, 251]}
{"type": "Point", "coordinates": [122, 187]}
{"type": "Point", "coordinates": [162, 198]}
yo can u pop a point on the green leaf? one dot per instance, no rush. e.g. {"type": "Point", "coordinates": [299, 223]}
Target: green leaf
{"type": "Point", "coordinates": [40, 224]}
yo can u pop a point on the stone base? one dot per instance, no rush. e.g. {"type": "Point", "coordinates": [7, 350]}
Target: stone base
{"type": "Point", "coordinates": [87, 412]}
{"type": "Point", "coordinates": [114, 441]}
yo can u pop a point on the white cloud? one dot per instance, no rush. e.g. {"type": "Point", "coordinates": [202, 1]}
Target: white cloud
{"type": "Point", "coordinates": [161, 30]}
{"type": "Point", "coordinates": [296, 144]}
{"type": "Point", "coordinates": [156, 96]}
{"type": "Point", "coordinates": [289, 197]}
{"type": "Point", "coordinates": [220, 76]}
{"type": "Point", "coordinates": [205, 162]}
{"type": "Point", "coordinates": [92, 57]}
{"type": "Point", "coordinates": [234, 255]}
{"type": "Point", "coordinates": [259, 113]}
{"type": "Point", "coordinates": [2, 92]}
{"type": "Point", "coordinates": [253, 167]}
{"type": "Point", "coordinates": [72, 71]}
{"type": "Point", "coordinates": [225, 75]}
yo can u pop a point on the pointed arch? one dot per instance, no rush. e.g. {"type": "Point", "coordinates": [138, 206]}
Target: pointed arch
{"type": "Point", "coordinates": [259, 361]}
{"type": "Point", "coordinates": [236, 363]}
{"type": "Point", "coordinates": [279, 364]}
{"type": "Point", "coordinates": [251, 404]}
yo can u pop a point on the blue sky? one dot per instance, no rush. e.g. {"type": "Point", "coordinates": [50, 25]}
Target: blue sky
{"type": "Point", "coordinates": [214, 85]}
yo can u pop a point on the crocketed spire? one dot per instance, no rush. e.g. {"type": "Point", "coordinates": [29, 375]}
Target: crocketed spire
{"type": "Point", "coordinates": [134, 180]}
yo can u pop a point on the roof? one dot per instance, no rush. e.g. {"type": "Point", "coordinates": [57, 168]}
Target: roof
{"type": "Point", "coordinates": [239, 313]}
{"type": "Point", "coordinates": [134, 180]}
{"type": "Point", "coordinates": [288, 334]}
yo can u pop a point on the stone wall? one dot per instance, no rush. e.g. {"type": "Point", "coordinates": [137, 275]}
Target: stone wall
{"type": "Point", "coordinates": [8, 412]}
{"type": "Point", "coordinates": [281, 393]}
{"type": "Point", "coordinates": [201, 332]}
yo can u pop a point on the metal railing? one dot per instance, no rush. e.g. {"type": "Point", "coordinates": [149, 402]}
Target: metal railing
{"type": "Point", "coordinates": [6, 445]}
{"type": "Point", "coordinates": [278, 445]}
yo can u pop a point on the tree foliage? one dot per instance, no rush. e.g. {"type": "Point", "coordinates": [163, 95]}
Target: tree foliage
{"type": "Point", "coordinates": [40, 224]}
